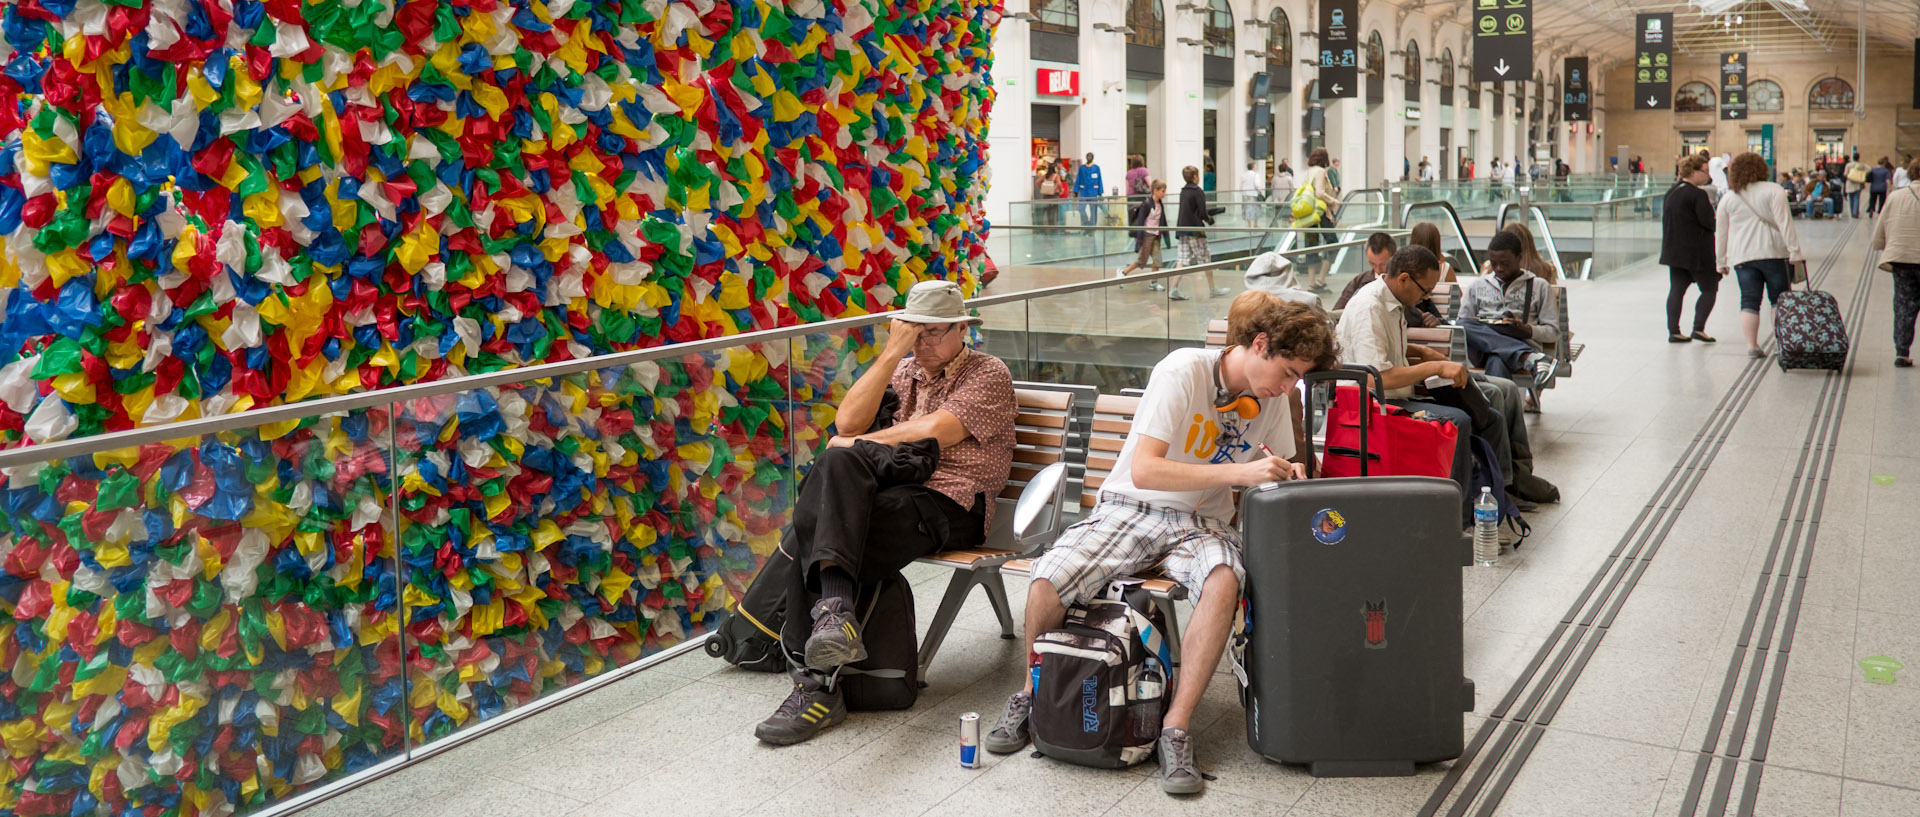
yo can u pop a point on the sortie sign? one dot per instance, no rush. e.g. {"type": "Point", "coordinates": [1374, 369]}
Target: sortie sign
{"type": "Point", "coordinates": [1502, 40]}
{"type": "Point", "coordinates": [1339, 49]}
{"type": "Point", "coordinates": [1653, 62]}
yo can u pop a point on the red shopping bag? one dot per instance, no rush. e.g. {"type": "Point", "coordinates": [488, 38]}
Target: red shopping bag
{"type": "Point", "coordinates": [1396, 443]}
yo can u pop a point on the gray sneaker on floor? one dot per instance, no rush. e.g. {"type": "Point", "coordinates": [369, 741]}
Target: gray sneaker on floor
{"type": "Point", "coordinates": [1179, 774]}
{"type": "Point", "coordinates": [1012, 733]}
{"type": "Point", "coordinates": [810, 709]}
{"type": "Point", "coordinates": [836, 638]}
{"type": "Point", "coordinates": [1176, 295]}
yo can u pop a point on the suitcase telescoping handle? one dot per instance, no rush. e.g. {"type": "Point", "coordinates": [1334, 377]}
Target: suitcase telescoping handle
{"type": "Point", "coordinates": [1369, 382]}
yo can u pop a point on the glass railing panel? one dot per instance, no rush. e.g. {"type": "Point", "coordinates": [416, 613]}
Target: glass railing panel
{"type": "Point", "coordinates": [553, 530]}
{"type": "Point", "coordinates": [211, 620]}
{"type": "Point", "coordinates": [1106, 336]}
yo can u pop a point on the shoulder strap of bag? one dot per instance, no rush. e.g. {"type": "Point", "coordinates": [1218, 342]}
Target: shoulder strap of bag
{"type": "Point", "coordinates": [1140, 614]}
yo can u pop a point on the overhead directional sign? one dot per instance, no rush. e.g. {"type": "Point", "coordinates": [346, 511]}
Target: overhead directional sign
{"type": "Point", "coordinates": [1502, 40]}
{"type": "Point", "coordinates": [1576, 99]}
{"type": "Point", "coordinates": [1653, 62]}
{"type": "Point", "coordinates": [1340, 49]}
{"type": "Point", "coordinates": [1733, 85]}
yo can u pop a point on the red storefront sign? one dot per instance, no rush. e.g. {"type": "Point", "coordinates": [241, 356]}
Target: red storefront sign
{"type": "Point", "coordinates": [1057, 82]}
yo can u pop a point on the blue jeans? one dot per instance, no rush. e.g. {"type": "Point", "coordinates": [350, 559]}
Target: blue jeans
{"type": "Point", "coordinates": [1823, 204]}
{"type": "Point", "coordinates": [1853, 203]}
{"type": "Point", "coordinates": [1771, 274]}
{"type": "Point", "coordinates": [1499, 354]}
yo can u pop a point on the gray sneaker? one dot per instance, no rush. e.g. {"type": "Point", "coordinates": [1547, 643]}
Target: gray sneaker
{"type": "Point", "coordinates": [1176, 295]}
{"type": "Point", "coordinates": [836, 638]}
{"type": "Point", "coordinates": [1012, 733]}
{"type": "Point", "coordinates": [1544, 369]}
{"type": "Point", "coordinates": [1179, 774]}
{"type": "Point", "coordinates": [808, 710]}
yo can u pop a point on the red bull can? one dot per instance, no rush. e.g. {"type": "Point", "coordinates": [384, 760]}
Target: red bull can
{"type": "Point", "coordinates": [970, 740]}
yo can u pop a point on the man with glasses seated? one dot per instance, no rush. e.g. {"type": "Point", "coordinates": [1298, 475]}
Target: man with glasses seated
{"type": "Point", "coordinates": [1210, 420]}
{"type": "Point", "coordinates": [944, 415]}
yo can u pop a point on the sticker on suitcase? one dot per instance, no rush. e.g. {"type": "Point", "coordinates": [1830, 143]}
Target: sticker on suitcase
{"type": "Point", "coordinates": [1375, 614]}
{"type": "Point", "coordinates": [1329, 527]}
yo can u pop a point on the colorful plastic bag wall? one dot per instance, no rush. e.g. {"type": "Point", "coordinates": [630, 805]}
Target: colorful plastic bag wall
{"type": "Point", "coordinates": [209, 205]}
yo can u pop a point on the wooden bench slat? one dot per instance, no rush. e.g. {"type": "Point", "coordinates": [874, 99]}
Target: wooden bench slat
{"type": "Point", "coordinates": [1045, 439]}
{"type": "Point", "coordinates": [1107, 443]}
{"type": "Point", "coordinates": [1041, 420]}
{"type": "Point", "coordinates": [1034, 398]}
{"type": "Point", "coordinates": [1037, 456]}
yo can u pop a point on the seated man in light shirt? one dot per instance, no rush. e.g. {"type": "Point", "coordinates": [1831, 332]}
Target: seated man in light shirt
{"type": "Point", "coordinates": [1373, 332]}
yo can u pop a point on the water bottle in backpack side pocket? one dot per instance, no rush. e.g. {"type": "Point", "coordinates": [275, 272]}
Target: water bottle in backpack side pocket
{"type": "Point", "coordinates": [1486, 529]}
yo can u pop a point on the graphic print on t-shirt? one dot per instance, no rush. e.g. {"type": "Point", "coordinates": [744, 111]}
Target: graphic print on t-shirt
{"type": "Point", "coordinates": [1215, 442]}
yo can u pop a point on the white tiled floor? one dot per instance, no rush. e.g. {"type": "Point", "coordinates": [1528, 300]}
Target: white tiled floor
{"type": "Point", "coordinates": [676, 739]}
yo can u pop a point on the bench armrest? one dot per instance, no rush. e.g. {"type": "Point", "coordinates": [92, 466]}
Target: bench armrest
{"type": "Point", "coordinates": [1037, 513]}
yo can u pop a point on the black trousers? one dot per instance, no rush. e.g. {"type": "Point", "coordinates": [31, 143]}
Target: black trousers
{"type": "Point", "coordinates": [850, 512]}
{"type": "Point", "coordinates": [1678, 281]}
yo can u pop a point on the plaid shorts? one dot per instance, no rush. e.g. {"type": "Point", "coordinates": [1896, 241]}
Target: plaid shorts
{"type": "Point", "coordinates": [1193, 250]}
{"type": "Point", "coordinates": [1122, 537]}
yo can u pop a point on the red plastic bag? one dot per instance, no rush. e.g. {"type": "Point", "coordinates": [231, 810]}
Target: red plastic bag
{"type": "Point", "coordinates": [1398, 444]}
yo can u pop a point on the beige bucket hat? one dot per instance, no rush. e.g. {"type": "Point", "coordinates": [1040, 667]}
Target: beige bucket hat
{"type": "Point", "coordinates": [936, 302]}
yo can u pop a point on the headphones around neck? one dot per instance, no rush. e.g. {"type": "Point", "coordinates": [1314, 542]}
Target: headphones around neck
{"type": "Point", "coordinates": [1245, 405]}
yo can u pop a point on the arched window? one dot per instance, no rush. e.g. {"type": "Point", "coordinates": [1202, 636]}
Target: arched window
{"type": "Point", "coordinates": [1376, 69]}
{"type": "Point", "coordinates": [1148, 23]}
{"type": "Point", "coordinates": [1217, 31]}
{"type": "Point", "coordinates": [1446, 77]}
{"type": "Point", "coordinates": [1279, 40]}
{"type": "Point", "coordinates": [1059, 16]}
{"type": "Point", "coordinates": [1411, 67]}
{"type": "Point", "coordinates": [1764, 96]}
{"type": "Point", "coordinates": [1695, 97]}
{"type": "Point", "coordinates": [1830, 94]}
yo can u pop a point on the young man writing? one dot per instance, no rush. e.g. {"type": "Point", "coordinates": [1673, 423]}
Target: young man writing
{"type": "Point", "coordinates": [1169, 500]}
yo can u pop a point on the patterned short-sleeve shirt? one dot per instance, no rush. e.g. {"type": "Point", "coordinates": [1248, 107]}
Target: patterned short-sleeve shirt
{"type": "Point", "coordinates": [977, 389]}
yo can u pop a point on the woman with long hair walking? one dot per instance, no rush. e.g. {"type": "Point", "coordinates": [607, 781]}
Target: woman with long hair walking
{"type": "Point", "coordinates": [1754, 237]}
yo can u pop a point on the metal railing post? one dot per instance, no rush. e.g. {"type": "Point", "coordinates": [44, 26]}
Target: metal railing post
{"type": "Point", "coordinates": [1395, 217]}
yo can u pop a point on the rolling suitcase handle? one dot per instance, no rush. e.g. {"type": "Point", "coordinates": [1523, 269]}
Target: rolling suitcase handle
{"type": "Point", "coordinates": [1369, 382]}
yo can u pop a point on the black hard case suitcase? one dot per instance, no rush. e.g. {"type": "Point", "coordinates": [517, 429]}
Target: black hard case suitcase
{"type": "Point", "coordinates": [1354, 654]}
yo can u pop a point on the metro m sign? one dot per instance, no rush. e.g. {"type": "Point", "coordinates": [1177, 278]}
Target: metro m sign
{"type": "Point", "coordinates": [1058, 82]}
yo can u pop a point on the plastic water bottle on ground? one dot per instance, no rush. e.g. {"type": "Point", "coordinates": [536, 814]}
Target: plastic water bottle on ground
{"type": "Point", "coordinates": [1486, 529]}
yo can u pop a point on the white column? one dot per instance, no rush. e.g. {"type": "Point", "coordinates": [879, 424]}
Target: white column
{"type": "Point", "coordinates": [1103, 93]}
{"type": "Point", "coordinates": [1010, 132]}
{"type": "Point", "coordinates": [1183, 117]}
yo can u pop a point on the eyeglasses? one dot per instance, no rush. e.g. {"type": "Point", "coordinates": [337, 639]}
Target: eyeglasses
{"type": "Point", "coordinates": [937, 334]}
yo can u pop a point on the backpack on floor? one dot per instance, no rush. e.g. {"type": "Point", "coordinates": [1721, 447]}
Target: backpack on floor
{"type": "Point", "coordinates": [1810, 331]}
{"type": "Point", "coordinates": [889, 678]}
{"type": "Point", "coordinates": [1103, 681]}
{"type": "Point", "coordinates": [1487, 474]}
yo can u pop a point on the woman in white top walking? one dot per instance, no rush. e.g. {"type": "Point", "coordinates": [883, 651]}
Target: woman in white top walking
{"type": "Point", "coordinates": [1282, 197]}
{"type": "Point", "coordinates": [1754, 237]}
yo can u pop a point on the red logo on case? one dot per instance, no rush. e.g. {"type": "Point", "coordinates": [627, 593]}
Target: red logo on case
{"type": "Point", "coordinates": [1375, 614]}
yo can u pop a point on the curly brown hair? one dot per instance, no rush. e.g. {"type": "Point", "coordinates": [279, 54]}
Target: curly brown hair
{"type": "Point", "coordinates": [1692, 163]}
{"type": "Point", "coordinates": [1747, 168]}
{"type": "Point", "coordinates": [1293, 329]}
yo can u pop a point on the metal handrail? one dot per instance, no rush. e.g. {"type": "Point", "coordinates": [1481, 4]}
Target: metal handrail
{"type": "Point", "coordinates": [1459, 227]}
{"type": "Point", "coordinates": [336, 404]}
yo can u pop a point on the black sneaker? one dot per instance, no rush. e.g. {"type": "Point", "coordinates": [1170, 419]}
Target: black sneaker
{"type": "Point", "coordinates": [810, 709]}
{"type": "Point", "coordinates": [836, 638]}
{"type": "Point", "coordinates": [1179, 774]}
{"type": "Point", "coordinates": [1012, 733]}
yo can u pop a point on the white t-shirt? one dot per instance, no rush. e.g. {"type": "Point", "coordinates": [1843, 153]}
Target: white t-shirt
{"type": "Point", "coordinates": [1178, 409]}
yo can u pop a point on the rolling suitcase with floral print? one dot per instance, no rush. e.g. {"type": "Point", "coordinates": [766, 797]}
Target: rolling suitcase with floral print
{"type": "Point", "coordinates": [1810, 331]}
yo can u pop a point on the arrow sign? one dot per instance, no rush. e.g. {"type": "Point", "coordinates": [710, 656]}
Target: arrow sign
{"type": "Point", "coordinates": [1340, 50]}
{"type": "Point", "coordinates": [1653, 60]}
{"type": "Point", "coordinates": [1337, 89]}
{"type": "Point", "coordinates": [1502, 40]}
{"type": "Point", "coordinates": [1653, 101]}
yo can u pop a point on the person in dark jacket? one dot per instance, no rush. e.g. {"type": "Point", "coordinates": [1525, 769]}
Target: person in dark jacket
{"type": "Point", "coordinates": [1150, 215]}
{"type": "Point", "coordinates": [1193, 245]}
{"type": "Point", "coordinates": [1686, 248]}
